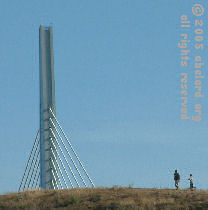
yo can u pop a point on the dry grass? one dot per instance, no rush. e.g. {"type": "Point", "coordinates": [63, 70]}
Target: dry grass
{"type": "Point", "coordinates": [106, 198]}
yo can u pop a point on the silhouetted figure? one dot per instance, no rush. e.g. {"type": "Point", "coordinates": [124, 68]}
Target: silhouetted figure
{"type": "Point", "coordinates": [191, 179]}
{"type": "Point", "coordinates": [176, 179]}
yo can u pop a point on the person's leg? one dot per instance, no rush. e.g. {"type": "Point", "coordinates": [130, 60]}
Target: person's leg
{"type": "Point", "coordinates": [176, 184]}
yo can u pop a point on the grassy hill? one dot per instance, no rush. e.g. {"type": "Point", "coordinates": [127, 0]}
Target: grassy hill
{"type": "Point", "coordinates": [106, 198]}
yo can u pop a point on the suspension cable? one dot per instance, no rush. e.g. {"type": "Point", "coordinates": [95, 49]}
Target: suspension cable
{"type": "Point", "coordinates": [31, 164]}
{"type": "Point", "coordinates": [38, 181]}
{"type": "Point", "coordinates": [72, 147]}
{"type": "Point", "coordinates": [55, 176]}
{"type": "Point", "coordinates": [68, 153]}
{"type": "Point", "coordinates": [58, 177]}
{"type": "Point", "coordinates": [65, 158]}
{"type": "Point", "coordinates": [36, 161]}
{"type": "Point", "coordinates": [36, 138]}
{"type": "Point", "coordinates": [53, 184]}
{"type": "Point", "coordinates": [62, 164]}
{"type": "Point", "coordinates": [59, 169]}
{"type": "Point", "coordinates": [36, 172]}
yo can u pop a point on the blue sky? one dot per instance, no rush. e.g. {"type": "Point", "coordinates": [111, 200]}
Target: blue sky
{"type": "Point", "coordinates": [117, 74]}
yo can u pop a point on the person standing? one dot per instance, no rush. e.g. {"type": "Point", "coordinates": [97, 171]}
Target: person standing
{"type": "Point", "coordinates": [191, 179]}
{"type": "Point", "coordinates": [176, 179]}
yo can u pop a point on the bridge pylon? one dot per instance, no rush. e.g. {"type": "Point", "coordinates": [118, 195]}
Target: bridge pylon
{"type": "Point", "coordinates": [53, 162]}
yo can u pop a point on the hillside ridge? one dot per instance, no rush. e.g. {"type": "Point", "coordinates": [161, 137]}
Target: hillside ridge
{"type": "Point", "coordinates": [106, 198]}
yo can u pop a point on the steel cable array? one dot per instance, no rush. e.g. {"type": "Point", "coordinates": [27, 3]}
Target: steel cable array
{"type": "Point", "coordinates": [65, 164]}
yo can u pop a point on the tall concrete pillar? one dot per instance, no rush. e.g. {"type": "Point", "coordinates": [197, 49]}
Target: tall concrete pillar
{"type": "Point", "coordinates": [47, 99]}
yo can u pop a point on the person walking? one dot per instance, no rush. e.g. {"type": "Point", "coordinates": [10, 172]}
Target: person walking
{"type": "Point", "coordinates": [176, 179]}
{"type": "Point", "coordinates": [191, 179]}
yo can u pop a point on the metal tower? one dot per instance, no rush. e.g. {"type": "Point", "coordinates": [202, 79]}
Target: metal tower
{"type": "Point", "coordinates": [47, 100]}
{"type": "Point", "coordinates": [53, 162]}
